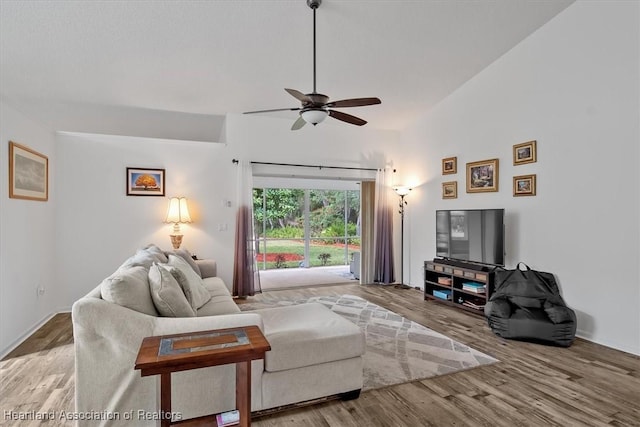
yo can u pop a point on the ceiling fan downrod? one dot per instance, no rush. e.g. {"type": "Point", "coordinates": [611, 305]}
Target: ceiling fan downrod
{"type": "Point", "coordinates": [314, 4]}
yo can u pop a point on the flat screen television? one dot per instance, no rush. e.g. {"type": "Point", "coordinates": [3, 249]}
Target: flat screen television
{"type": "Point", "coordinates": [475, 235]}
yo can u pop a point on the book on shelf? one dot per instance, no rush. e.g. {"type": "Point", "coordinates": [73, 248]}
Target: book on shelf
{"type": "Point", "coordinates": [473, 284]}
{"type": "Point", "coordinates": [474, 290]}
{"type": "Point", "coordinates": [442, 293]}
{"type": "Point", "coordinates": [474, 287]}
{"type": "Point", "coordinates": [472, 305]}
{"type": "Point", "coordinates": [444, 280]}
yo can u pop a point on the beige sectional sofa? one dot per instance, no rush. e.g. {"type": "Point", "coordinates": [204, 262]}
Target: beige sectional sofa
{"type": "Point", "coordinates": [314, 353]}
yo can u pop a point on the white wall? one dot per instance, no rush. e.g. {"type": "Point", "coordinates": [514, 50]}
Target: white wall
{"type": "Point", "coordinates": [98, 226]}
{"type": "Point", "coordinates": [574, 87]}
{"type": "Point", "coordinates": [332, 143]}
{"type": "Point", "coordinates": [26, 237]}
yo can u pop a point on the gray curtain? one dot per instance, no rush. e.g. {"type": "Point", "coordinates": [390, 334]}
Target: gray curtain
{"type": "Point", "coordinates": [383, 230]}
{"type": "Point", "coordinates": [367, 244]}
{"type": "Point", "coordinates": [246, 279]}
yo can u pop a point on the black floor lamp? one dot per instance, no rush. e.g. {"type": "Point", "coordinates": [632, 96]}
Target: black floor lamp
{"type": "Point", "coordinates": [402, 192]}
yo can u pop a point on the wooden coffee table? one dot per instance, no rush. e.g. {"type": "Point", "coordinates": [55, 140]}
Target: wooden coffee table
{"type": "Point", "coordinates": [162, 355]}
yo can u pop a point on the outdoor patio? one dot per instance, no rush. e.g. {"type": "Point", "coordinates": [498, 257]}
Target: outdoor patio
{"type": "Point", "coordinates": [286, 278]}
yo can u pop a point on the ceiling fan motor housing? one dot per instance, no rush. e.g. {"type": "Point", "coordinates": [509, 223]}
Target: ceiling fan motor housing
{"type": "Point", "coordinates": [315, 100]}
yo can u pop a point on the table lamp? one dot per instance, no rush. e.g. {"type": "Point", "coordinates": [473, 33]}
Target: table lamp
{"type": "Point", "coordinates": [178, 213]}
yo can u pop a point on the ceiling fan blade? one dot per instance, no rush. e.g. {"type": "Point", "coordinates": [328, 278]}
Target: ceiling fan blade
{"type": "Point", "coordinates": [299, 95]}
{"type": "Point", "coordinates": [270, 111]}
{"type": "Point", "coordinates": [355, 102]}
{"type": "Point", "coordinates": [298, 123]}
{"type": "Point", "coordinates": [347, 118]}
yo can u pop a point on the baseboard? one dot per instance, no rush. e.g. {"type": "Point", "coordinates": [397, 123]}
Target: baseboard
{"type": "Point", "coordinates": [298, 405]}
{"type": "Point", "coordinates": [30, 331]}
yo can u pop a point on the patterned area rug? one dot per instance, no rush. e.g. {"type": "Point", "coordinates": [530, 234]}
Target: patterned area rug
{"type": "Point", "coordinates": [398, 350]}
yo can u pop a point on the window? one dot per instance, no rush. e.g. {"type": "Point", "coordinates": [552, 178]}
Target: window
{"type": "Point", "coordinates": [306, 228]}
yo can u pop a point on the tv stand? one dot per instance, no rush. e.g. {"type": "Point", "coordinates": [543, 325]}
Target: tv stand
{"type": "Point", "coordinates": [460, 284]}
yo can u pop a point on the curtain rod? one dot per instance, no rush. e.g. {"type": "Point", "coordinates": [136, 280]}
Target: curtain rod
{"type": "Point", "coordinates": [308, 166]}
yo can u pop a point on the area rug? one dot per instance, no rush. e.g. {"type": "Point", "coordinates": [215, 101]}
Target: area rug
{"type": "Point", "coordinates": [398, 350]}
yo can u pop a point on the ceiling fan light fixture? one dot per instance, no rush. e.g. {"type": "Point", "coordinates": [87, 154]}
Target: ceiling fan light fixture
{"type": "Point", "coordinates": [314, 115]}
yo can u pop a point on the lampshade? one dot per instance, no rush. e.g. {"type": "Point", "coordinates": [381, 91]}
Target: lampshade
{"type": "Point", "coordinates": [178, 211]}
{"type": "Point", "coordinates": [314, 116]}
{"type": "Point", "coordinates": [402, 190]}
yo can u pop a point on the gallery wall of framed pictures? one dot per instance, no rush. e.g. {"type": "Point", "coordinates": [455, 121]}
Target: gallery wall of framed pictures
{"type": "Point", "coordinates": [482, 176]}
{"type": "Point", "coordinates": [524, 153]}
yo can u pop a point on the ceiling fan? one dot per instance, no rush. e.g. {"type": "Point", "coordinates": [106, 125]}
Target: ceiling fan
{"type": "Point", "coordinates": [316, 106]}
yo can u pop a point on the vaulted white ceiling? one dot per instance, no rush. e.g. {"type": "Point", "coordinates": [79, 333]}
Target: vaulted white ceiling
{"type": "Point", "coordinates": [204, 59]}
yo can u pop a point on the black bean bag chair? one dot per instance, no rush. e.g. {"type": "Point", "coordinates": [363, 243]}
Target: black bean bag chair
{"type": "Point", "coordinates": [526, 305]}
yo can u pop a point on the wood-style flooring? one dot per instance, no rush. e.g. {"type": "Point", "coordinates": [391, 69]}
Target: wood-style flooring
{"type": "Point", "coordinates": [532, 385]}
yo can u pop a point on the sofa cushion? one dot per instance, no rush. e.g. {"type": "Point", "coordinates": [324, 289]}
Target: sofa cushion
{"type": "Point", "coordinates": [221, 301]}
{"type": "Point", "coordinates": [167, 294]}
{"type": "Point", "coordinates": [308, 334]}
{"type": "Point", "coordinates": [129, 288]}
{"type": "Point", "coordinates": [207, 267]}
{"type": "Point", "coordinates": [215, 286]}
{"type": "Point", "coordinates": [186, 256]}
{"type": "Point", "coordinates": [190, 282]}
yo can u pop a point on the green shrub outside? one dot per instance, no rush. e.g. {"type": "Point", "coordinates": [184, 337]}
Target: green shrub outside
{"type": "Point", "coordinates": [334, 230]}
{"type": "Point", "coordinates": [297, 247]}
{"type": "Point", "coordinates": [337, 230]}
{"type": "Point", "coordinates": [324, 258]}
{"type": "Point", "coordinates": [287, 232]}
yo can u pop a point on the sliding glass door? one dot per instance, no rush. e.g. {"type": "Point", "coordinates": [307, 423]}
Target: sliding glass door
{"type": "Point", "coordinates": [306, 228]}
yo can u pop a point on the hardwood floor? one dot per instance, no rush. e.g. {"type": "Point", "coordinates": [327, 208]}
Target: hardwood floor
{"type": "Point", "coordinates": [532, 385]}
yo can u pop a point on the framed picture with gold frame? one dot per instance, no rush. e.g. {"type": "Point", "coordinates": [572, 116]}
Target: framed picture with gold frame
{"type": "Point", "coordinates": [449, 165]}
{"type": "Point", "coordinates": [482, 176]}
{"type": "Point", "coordinates": [524, 185]}
{"type": "Point", "coordinates": [524, 153]}
{"type": "Point", "coordinates": [450, 190]}
{"type": "Point", "coordinates": [28, 173]}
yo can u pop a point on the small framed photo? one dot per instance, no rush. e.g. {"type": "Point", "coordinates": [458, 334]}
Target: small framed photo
{"type": "Point", "coordinates": [28, 173]}
{"type": "Point", "coordinates": [482, 176]}
{"type": "Point", "coordinates": [449, 165]}
{"type": "Point", "coordinates": [450, 190]}
{"type": "Point", "coordinates": [524, 185]}
{"type": "Point", "coordinates": [145, 182]}
{"type": "Point", "coordinates": [524, 153]}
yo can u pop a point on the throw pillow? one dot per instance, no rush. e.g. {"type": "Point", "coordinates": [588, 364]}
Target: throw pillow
{"type": "Point", "coordinates": [186, 255]}
{"type": "Point", "coordinates": [157, 253]}
{"type": "Point", "coordinates": [129, 288]}
{"type": "Point", "coordinates": [167, 295]}
{"type": "Point", "coordinates": [142, 258]}
{"type": "Point", "coordinates": [189, 281]}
